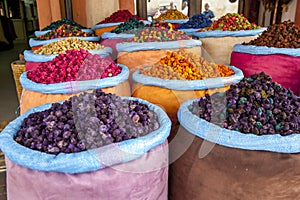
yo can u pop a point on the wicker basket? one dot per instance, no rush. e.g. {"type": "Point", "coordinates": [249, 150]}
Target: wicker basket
{"type": "Point", "coordinates": [18, 67]}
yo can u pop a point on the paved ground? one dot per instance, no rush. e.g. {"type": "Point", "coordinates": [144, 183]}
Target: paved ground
{"type": "Point", "coordinates": [8, 101]}
{"type": "Point", "coordinates": [8, 97]}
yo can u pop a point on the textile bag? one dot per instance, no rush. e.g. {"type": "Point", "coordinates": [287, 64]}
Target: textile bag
{"type": "Point", "coordinates": [36, 44]}
{"type": "Point", "coordinates": [138, 55]}
{"type": "Point", "coordinates": [100, 29]}
{"type": "Point", "coordinates": [282, 64]}
{"type": "Point", "coordinates": [133, 169]}
{"type": "Point", "coordinates": [108, 27]}
{"type": "Point", "coordinates": [189, 31]}
{"type": "Point", "coordinates": [34, 60]}
{"type": "Point", "coordinates": [169, 94]}
{"type": "Point", "coordinates": [112, 39]}
{"type": "Point", "coordinates": [224, 164]}
{"type": "Point", "coordinates": [219, 44]}
{"type": "Point", "coordinates": [40, 33]}
{"type": "Point", "coordinates": [35, 94]}
{"type": "Point", "coordinates": [175, 22]}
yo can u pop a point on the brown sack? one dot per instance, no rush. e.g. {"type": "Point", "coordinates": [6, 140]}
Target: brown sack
{"type": "Point", "coordinates": [231, 173]}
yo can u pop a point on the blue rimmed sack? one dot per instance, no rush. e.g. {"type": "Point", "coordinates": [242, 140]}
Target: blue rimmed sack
{"type": "Point", "coordinates": [176, 21]}
{"type": "Point", "coordinates": [111, 40]}
{"type": "Point", "coordinates": [238, 159]}
{"type": "Point", "coordinates": [100, 29]}
{"type": "Point", "coordinates": [123, 35]}
{"type": "Point", "coordinates": [219, 33]}
{"type": "Point", "coordinates": [110, 35]}
{"type": "Point", "coordinates": [171, 93]}
{"type": "Point", "coordinates": [37, 43]}
{"type": "Point", "coordinates": [195, 23]}
{"type": "Point", "coordinates": [141, 162]}
{"type": "Point", "coordinates": [189, 31]}
{"type": "Point", "coordinates": [107, 27]}
{"type": "Point", "coordinates": [219, 44]}
{"type": "Point", "coordinates": [35, 94]}
{"type": "Point", "coordinates": [40, 33]}
{"type": "Point", "coordinates": [178, 44]}
{"type": "Point", "coordinates": [34, 60]}
{"type": "Point", "coordinates": [282, 64]}
{"type": "Point", "coordinates": [136, 55]}
{"type": "Point", "coordinates": [99, 26]}
{"type": "Point", "coordinates": [263, 50]}
{"type": "Point", "coordinates": [29, 56]}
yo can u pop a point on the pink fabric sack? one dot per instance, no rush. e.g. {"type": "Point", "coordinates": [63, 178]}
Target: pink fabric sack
{"type": "Point", "coordinates": [29, 66]}
{"type": "Point", "coordinates": [112, 43]}
{"type": "Point", "coordinates": [135, 180]}
{"type": "Point", "coordinates": [134, 169]}
{"type": "Point", "coordinates": [283, 68]}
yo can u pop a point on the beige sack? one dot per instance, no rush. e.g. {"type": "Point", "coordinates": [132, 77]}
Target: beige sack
{"type": "Point", "coordinates": [219, 49]}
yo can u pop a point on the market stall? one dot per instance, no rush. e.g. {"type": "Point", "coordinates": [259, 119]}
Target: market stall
{"type": "Point", "coordinates": [138, 110]}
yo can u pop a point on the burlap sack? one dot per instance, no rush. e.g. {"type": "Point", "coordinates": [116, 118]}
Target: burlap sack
{"type": "Point", "coordinates": [219, 49]}
{"type": "Point", "coordinates": [219, 44]}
